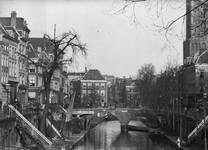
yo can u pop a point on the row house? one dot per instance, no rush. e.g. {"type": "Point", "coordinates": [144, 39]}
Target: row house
{"type": "Point", "coordinates": [120, 91]}
{"type": "Point", "coordinates": [74, 82]}
{"type": "Point", "coordinates": [132, 92]}
{"type": "Point", "coordinates": [193, 74]}
{"type": "Point", "coordinates": [93, 89]}
{"type": "Point", "coordinates": [110, 90]}
{"type": "Point", "coordinates": [35, 74]}
{"type": "Point", "coordinates": [123, 91]}
{"type": "Point", "coordinates": [64, 88]}
{"type": "Point", "coordinates": [195, 64]}
{"type": "Point", "coordinates": [40, 49]}
{"type": "Point", "coordinates": [14, 40]}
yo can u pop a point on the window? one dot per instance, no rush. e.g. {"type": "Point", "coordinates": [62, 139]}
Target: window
{"type": "Point", "coordinates": [89, 92]}
{"type": "Point", "coordinates": [23, 65]}
{"type": "Point", "coordinates": [2, 77]}
{"type": "Point", "coordinates": [10, 68]}
{"type": "Point", "coordinates": [84, 85]}
{"type": "Point", "coordinates": [32, 69]}
{"type": "Point", "coordinates": [96, 85]}
{"type": "Point", "coordinates": [102, 92]}
{"type": "Point", "coordinates": [6, 77]}
{"type": "Point", "coordinates": [23, 79]}
{"type": "Point", "coordinates": [32, 80]}
{"type": "Point", "coordinates": [84, 92]}
{"type": "Point", "coordinates": [2, 60]}
{"type": "Point", "coordinates": [102, 85]}
{"type": "Point", "coordinates": [5, 60]}
{"type": "Point", "coordinates": [15, 70]}
{"type": "Point", "coordinates": [39, 70]}
{"type": "Point", "coordinates": [31, 95]}
{"type": "Point", "coordinates": [20, 64]}
{"type": "Point", "coordinates": [89, 85]}
{"type": "Point", "coordinates": [20, 79]}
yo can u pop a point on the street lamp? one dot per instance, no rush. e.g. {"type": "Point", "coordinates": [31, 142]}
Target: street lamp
{"type": "Point", "coordinates": [205, 135]}
{"type": "Point", "coordinates": [7, 86]}
{"type": "Point", "coordinates": [181, 98]}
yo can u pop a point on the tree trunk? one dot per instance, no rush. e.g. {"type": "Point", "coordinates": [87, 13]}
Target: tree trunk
{"type": "Point", "coordinates": [45, 111]}
{"type": "Point", "coordinates": [43, 119]}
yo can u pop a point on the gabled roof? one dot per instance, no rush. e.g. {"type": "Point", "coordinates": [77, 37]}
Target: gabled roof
{"type": "Point", "coordinates": [3, 30]}
{"type": "Point", "coordinates": [43, 43]}
{"type": "Point", "coordinates": [20, 23]}
{"type": "Point", "coordinates": [16, 34]}
{"type": "Point", "coordinates": [76, 73]}
{"type": "Point", "coordinates": [93, 74]}
{"type": "Point", "coordinates": [32, 53]}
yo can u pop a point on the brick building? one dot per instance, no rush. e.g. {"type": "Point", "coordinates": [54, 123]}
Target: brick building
{"type": "Point", "coordinates": [14, 39]}
{"type": "Point", "coordinates": [94, 88]}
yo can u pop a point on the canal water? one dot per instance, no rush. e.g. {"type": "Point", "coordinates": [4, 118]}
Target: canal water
{"type": "Point", "coordinates": [107, 136]}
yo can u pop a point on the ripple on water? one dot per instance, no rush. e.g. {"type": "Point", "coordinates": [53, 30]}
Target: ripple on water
{"type": "Point", "coordinates": [107, 136]}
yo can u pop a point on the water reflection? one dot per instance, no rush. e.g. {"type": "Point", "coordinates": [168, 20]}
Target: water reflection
{"type": "Point", "coordinates": [107, 136]}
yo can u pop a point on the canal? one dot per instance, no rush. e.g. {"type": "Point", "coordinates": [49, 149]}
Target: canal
{"type": "Point", "coordinates": [107, 136]}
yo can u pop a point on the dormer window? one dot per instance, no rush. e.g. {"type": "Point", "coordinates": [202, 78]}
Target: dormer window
{"type": "Point", "coordinates": [11, 33]}
{"type": "Point", "coordinates": [20, 33]}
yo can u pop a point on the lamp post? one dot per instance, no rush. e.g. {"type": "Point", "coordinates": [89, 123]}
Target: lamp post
{"type": "Point", "coordinates": [7, 86]}
{"type": "Point", "coordinates": [181, 98]}
{"type": "Point", "coordinates": [173, 115]}
{"type": "Point", "coordinates": [205, 133]}
{"type": "Point", "coordinates": [22, 101]}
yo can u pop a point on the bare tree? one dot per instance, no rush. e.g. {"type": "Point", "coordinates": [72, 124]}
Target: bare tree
{"type": "Point", "coordinates": [195, 15]}
{"type": "Point", "coordinates": [146, 79]}
{"type": "Point", "coordinates": [62, 50]}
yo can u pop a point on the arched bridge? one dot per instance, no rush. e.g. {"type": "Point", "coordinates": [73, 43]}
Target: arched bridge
{"type": "Point", "coordinates": [124, 115]}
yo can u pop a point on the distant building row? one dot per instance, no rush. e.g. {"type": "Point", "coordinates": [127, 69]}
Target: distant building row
{"type": "Point", "coordinates": [22, 81]}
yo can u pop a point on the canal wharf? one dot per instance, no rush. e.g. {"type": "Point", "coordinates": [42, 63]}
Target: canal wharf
{"type": "Point", "coordinates": [170, 137]}
{"type": "Point", "coordinates": [173, 139]}
{"type": "Point", "coordinates": [69, 142]}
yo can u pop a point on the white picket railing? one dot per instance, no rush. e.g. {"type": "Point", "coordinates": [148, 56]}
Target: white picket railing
{"type": "Point", "coordinates": [198, 128]}
{"type": "Point", "coordinates": [31, 128]}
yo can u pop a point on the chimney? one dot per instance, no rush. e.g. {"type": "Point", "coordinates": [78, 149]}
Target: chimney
{"type": "Point", "coordinates": [13, 18]}
{"type": "Point", "coordinates": [85, 69]}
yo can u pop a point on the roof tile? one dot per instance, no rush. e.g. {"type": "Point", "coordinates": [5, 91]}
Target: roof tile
{"type": "Point", "coordinates": [93, 74]}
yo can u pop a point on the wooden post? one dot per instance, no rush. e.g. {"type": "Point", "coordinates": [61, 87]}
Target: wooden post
{"type": "Point", "coordinates": [205, 129]}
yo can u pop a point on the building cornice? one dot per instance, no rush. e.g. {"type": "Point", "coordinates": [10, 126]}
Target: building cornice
{"type": "Point", "coordinates": [95, 81]}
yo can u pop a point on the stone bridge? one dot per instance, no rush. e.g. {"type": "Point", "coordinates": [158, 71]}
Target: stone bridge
{"type": "Point", "coordinates": [124, 115]}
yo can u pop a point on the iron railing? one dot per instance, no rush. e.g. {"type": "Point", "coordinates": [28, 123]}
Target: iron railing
{"type": "Point", "coordinates": [198, 129]}
{"type": "Point", "coordinates": [30, 128]}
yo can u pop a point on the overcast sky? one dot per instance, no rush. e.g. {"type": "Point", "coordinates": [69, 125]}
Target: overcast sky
{"type": "Point", "coordinates": [116, 45]}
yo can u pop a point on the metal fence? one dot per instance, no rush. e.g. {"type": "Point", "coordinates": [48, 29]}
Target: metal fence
{"type": "Point", "coordinates": [24, 110]}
